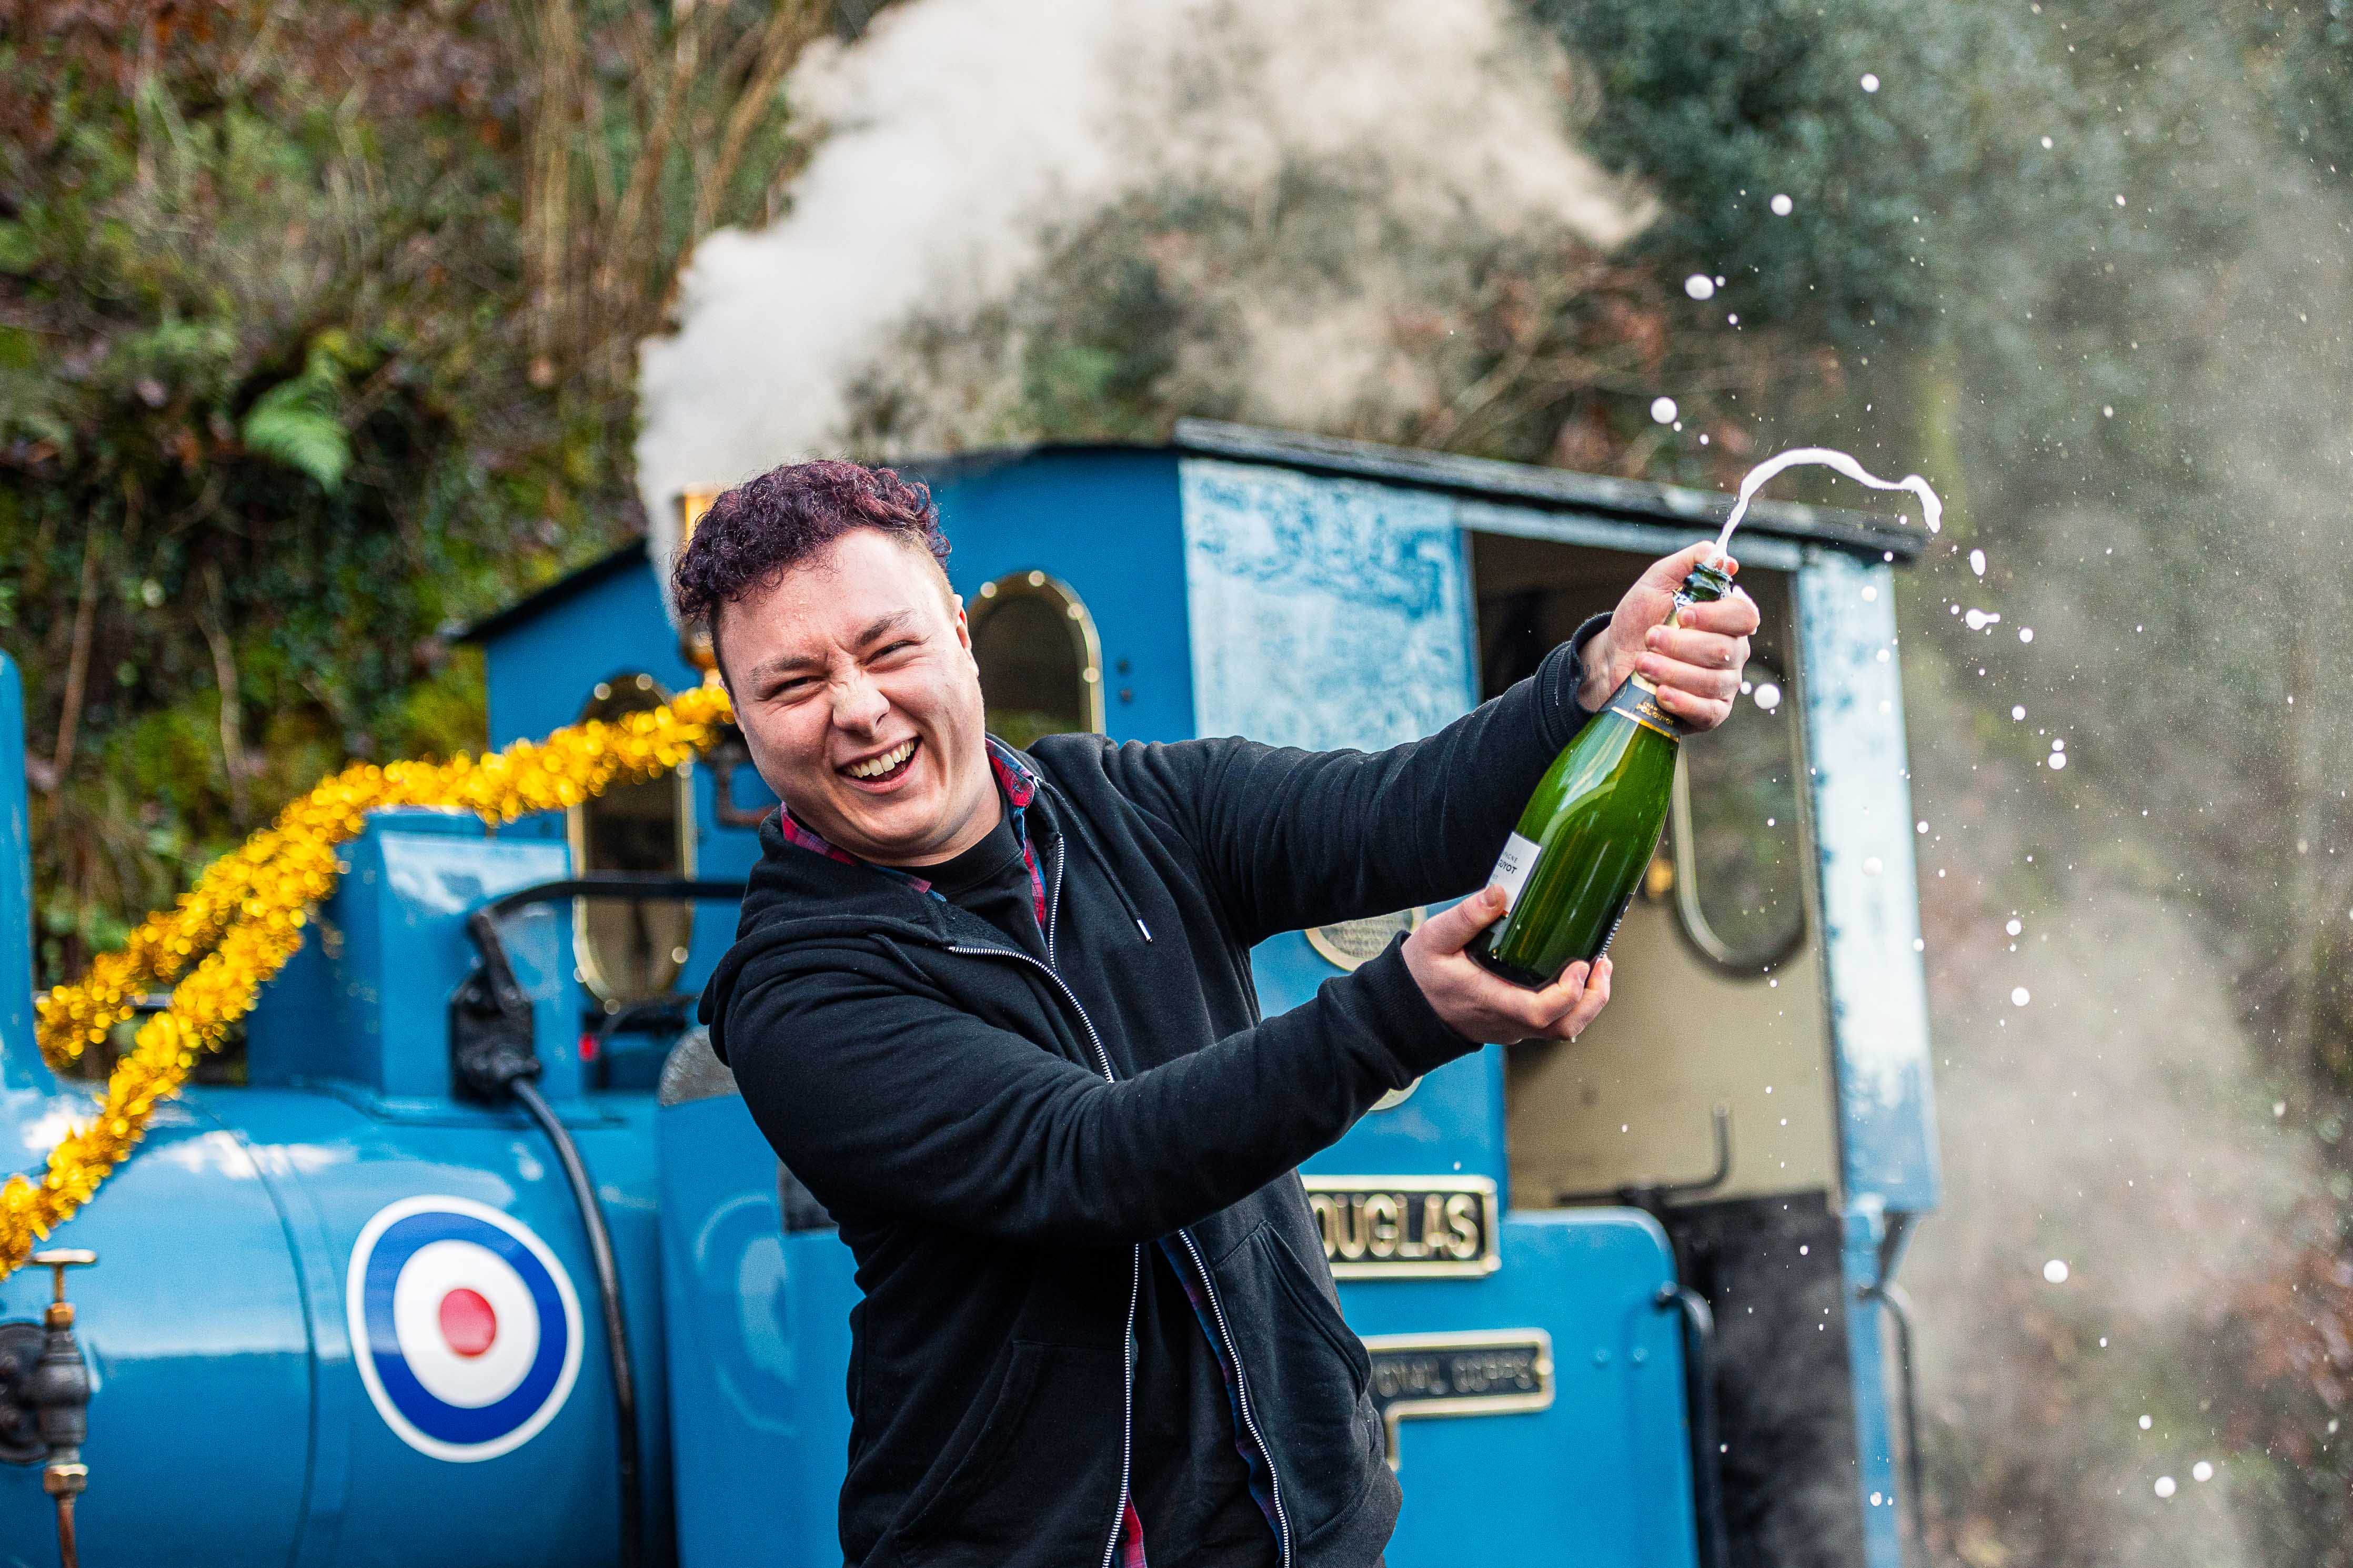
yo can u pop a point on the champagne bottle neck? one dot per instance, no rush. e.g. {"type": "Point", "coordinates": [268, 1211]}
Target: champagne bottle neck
{"type": "Point", "coordinates": [1705, 582]}
{"type": "Point", "coordinates": [1638, 700]}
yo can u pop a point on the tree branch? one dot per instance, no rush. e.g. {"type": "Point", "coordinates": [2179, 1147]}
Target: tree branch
{"type": "Point", "coordinates": [213, 623]}
{"type": "Point", "coordinates": [77, 663]}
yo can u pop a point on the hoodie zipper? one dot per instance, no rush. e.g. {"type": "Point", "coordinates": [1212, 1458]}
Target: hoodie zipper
{"type": "Point", "coordinates": [1135, 1278]}
{"type": "Point", "coordinates": [1241, 1394]}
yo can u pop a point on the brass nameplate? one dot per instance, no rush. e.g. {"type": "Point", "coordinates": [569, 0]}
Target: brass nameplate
{"type": "Point", "coordinates": [1387, 1227]}
{"type": "Point", "coordinates": [1487, 1371]}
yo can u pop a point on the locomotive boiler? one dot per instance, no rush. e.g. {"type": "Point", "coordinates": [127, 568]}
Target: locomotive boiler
{"type": "Point", "coordinates": [1628, 1302]}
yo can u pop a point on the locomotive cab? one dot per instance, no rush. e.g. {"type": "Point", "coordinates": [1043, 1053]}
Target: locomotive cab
{"type": "Point", "coordinates": [1624, 1299]}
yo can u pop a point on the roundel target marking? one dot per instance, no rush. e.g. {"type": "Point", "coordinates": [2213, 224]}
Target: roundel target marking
{"type": "Point", "coordinates": [465, 1327]}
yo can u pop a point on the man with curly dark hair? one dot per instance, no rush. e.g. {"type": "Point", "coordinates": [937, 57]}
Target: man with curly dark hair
{"type": "Point", "coordinates": [994, 1009]}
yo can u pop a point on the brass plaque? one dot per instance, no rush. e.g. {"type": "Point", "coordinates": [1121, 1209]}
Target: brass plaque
{"type": "Point", "coordinates": [1482, 1372]}
{"type": "Point", "coordinates": [1351, 944]}
{"type": "Point", "coordinates": [1391, 1227]}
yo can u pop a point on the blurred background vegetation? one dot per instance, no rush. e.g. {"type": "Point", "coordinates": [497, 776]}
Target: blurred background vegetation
{"type": "Point", "coordinates": [318, 326]}
{"type": "Point", "coordinates": [318, 333]}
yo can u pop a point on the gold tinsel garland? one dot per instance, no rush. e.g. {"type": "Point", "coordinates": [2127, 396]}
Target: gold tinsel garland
{"type": "Point", "coordinates": [243, 921]}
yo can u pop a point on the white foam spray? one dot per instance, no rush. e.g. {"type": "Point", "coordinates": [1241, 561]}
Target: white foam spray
{"type": "Point", "coordinates": [1931, 508]}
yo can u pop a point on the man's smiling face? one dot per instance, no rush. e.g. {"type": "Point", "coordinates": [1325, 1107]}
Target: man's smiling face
{"type": "Point", "coordinates": [854, 684]}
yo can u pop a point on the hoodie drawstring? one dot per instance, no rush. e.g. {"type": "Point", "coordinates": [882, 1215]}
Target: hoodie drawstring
{"type": "Point", "coordinates": [1085, 836]}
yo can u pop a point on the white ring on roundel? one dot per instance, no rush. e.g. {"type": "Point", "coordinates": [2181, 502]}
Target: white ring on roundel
{"type": "Point", "coordinates": [363, 1353]}
{"type": "Point", "coordinates": [472, 1382]}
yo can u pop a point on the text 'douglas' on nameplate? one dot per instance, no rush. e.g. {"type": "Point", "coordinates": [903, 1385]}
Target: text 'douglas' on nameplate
{"type": "Point", "coordinates": [1480, 1371]}
{"type": "Point", "coordinates": [1398, 1228]}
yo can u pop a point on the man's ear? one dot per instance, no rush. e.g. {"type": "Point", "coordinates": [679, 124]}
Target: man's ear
{"type": "Point", "coordinates": [962, 621]}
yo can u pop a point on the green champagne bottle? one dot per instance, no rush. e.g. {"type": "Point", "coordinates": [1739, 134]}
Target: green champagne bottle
{"type": "Point", "coordinates": [1583, 842]}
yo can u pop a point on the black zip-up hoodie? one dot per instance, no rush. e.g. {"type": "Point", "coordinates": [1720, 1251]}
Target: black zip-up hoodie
{"type": "Point", "coordinates": [998, 1136]}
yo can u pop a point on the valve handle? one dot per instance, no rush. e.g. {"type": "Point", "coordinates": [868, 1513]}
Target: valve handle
{"type": "Point", "coordinates": [56, 1260]}
{"type": "Point", "coordinates": [60, 1399]}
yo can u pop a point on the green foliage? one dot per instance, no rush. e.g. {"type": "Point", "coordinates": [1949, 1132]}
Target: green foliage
{"type": "Point", "coordinates": [282, 392]}
{"type": "Point", "coordinates": [1901, 199]}
{"type": "Point", "coordinates": [299, 423]}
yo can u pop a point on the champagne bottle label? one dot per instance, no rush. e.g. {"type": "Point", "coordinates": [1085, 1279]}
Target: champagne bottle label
{"type": "Point", "coordinates": [1638, 700]}
{"type": "Point", "coordinates": [1513, 866]}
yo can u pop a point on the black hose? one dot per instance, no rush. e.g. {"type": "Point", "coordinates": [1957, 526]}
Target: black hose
{"type": "Point", "coordinates": [608, 1291]}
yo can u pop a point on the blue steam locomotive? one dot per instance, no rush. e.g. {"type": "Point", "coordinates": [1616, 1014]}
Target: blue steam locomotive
{"type": "Point", "coordinates": [1628, 1302]}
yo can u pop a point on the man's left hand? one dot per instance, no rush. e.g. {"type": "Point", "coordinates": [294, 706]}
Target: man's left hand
{"type": "Point", "coordinates": [1695, 663]}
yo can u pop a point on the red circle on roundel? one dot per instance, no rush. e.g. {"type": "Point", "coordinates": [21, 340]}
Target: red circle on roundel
{"type": "Point", "coordinates": [468, 1324]}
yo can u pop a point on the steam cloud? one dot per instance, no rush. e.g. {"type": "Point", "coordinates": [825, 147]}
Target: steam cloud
{"type": "Point", "coordinates": [965, 132]}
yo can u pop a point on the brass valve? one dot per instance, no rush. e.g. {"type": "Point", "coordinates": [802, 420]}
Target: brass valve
{"type": "Point", "coordinates": [45, 1396]}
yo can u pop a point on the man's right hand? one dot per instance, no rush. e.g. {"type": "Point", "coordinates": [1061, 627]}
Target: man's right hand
{"type": "Point", "coordinates": [1480, 1006]}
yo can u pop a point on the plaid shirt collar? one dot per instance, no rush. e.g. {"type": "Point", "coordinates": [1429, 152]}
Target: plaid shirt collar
{"type": "Point", "coordinates": [1014, 780]}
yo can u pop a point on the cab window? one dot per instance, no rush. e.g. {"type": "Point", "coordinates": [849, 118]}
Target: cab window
{"type": "Point", "coordinates": [1738, 882]}
{"type": "Point", "coordinates": [1040, 662]}
{"type": "Point", "coordinates": [631, 949]}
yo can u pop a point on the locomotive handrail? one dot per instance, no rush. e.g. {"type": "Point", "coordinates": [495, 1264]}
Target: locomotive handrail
{"type": "Point", "coordinates": [482, 924]}
{"type": "Point", "coordinates": [1699, 1393]}
{"type": "Point", "coordinates": [609, 885]}
{"type": "Point", "coordinates": [1899, 1306]}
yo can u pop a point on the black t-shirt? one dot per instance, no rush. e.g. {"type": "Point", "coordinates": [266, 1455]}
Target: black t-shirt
{"type": "Point", "coordinates": [992, 880]}
{"type": "Point", "coordinates": [1190, 1482]}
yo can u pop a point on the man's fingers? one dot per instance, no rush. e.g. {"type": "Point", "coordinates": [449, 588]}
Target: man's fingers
{"type": "Point", "coordinates": [1735, 615]}
{"type": "Point", "coordinates": [1588, 1006]}
{"type": "Point", "coordinates": [1702, 712]}
{"type": "Point", "coordinates": [1712, 682]}
{"type": "Point", "coordinates": [1545, 1009]}
{"type": "Point", "coordinates": [1668, 571]}
{"type": "Point", "coordinates": [1709, 650]}
{"type": "Point", "coordinates": [1449, 932]}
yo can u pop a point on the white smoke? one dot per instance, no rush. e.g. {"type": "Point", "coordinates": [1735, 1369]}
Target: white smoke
{"type": "Point", "coordinates": [963, 132]}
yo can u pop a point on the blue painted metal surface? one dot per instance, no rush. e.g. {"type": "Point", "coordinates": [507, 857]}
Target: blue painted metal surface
{"type": "Point", "coordinates": [365, 1005]}
{"type": "Point", "coordinates": [1877, 992]}
{"type": "Point", "coordinates": [759, 1346]}
{"type": "Point", "coordinates": [230, 1410]}
{"type": "Point", "coordinates": [1106, 522]}
{"type": "Point", "coordinates": [20, 1065]}
{"type": "Point", "coordinates": [1868, 1367]}
{"type": "Point", "coordinates": [230, 1413]}
{"type": "Point", "coordinates": [1324, 612]}
{"type": "Point", "coordinates": [1603, 1477]}
{"type": "Point", "coordinates": [229, 1417]}
{"type": "Point", "coordinates": [1863, 828]}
